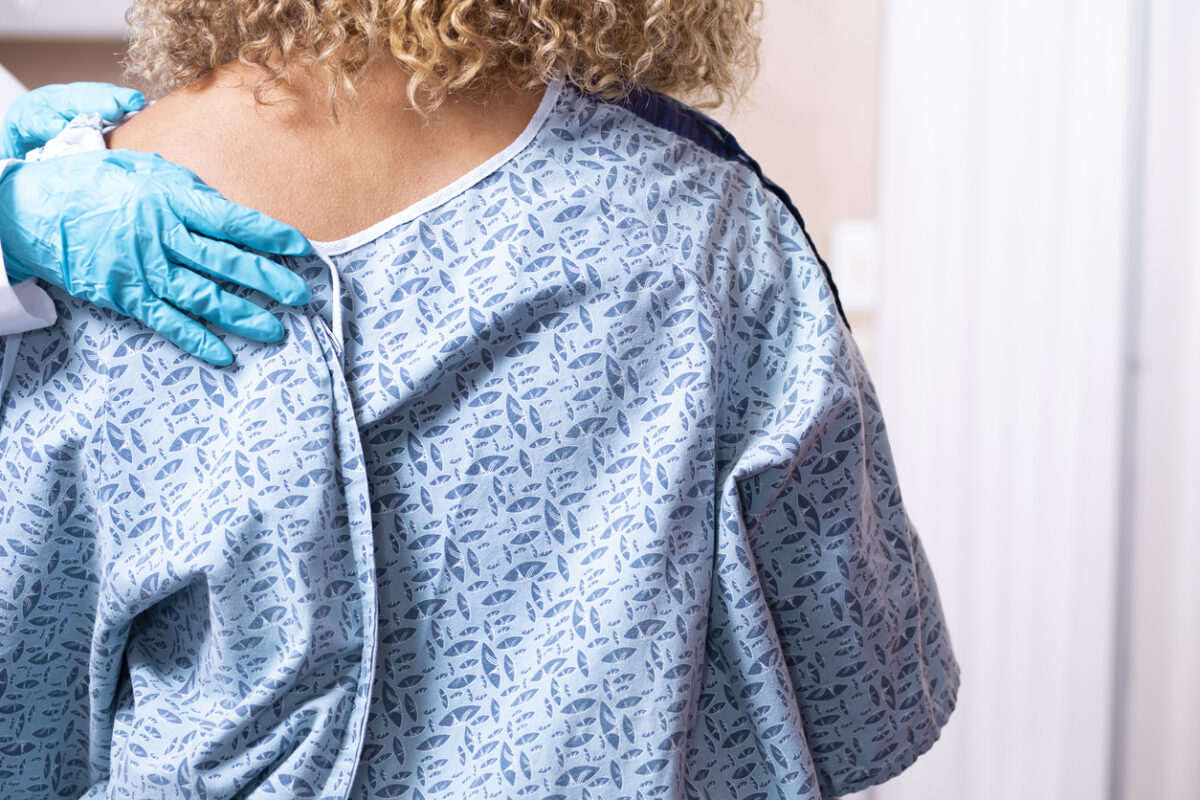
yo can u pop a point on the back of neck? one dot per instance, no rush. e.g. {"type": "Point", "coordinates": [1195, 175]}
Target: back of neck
{"type": "Point", "coordinates": [328, 177]}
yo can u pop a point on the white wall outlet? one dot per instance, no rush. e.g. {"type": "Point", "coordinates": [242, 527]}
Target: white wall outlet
{"type": "Point", "coordinates": [854, 262]}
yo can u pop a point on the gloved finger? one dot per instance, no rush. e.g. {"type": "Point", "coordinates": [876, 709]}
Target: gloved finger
{"type": "Point", "coordinates": [211, 215]}
{"type": "Point", "coordinates": [199, 296]}
{"type": "Point", "coordinates": [40, 115]}
{"type": "Point", "coordinates": [86, 97]}
{"type": "Point", "coordinates": [141, 163]}
{"type": "Point", "coordinates": [111, 102]}
{"type": "Point", "coordinates": [183, 331]}
{"type": "Point", "coordinates": [228, 262]}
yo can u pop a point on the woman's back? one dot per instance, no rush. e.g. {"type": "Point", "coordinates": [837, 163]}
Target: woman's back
{"type": "Point", "coordinates": [582, 491]}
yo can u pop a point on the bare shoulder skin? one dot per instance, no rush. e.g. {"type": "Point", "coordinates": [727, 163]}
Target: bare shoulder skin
{"type": "Point", "coordinates": [328, 178]}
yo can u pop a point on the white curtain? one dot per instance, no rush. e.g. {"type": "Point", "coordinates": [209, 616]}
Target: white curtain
{"type": "Point", "coordinates": [1162, 740]}
{"type": "Point", "coordinates": [1038, 363]}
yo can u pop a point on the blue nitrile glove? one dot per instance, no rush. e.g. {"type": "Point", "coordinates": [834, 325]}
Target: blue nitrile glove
{"type": "Point", "coordinates": [37, 117]}
{"type": "Point", "coordinates": [133, 232]}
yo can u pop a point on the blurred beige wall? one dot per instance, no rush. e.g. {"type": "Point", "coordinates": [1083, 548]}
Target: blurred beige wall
{"type": "Point", "coordinates": [36, 62]}
{"type": "Point", "coordinates": [811, 118]}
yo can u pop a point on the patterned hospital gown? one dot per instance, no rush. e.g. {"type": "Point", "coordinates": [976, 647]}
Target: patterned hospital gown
{"type": "Point", "coordinates": [582, 492]}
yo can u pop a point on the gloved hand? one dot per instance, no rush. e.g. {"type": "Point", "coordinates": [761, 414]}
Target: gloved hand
{"type": "Point", "coordinates": [36, 117]}
{"type": "Point", "coordinates": [132, 232]}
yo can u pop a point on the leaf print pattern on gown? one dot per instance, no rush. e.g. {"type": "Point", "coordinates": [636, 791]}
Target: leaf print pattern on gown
{"type": "Point", "coordinates": [584, 492]}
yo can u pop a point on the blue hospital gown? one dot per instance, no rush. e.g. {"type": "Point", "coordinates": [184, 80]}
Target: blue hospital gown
{"type": "Point", "coordinates": [582, 492]}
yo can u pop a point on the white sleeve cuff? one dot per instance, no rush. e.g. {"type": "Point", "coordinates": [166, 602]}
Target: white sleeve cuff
{"type": "Point", "coordinates": [24, 306]}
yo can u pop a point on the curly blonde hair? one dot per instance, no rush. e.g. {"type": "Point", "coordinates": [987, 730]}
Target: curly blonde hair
{"type": "Point", "coordinates": [702, 51]}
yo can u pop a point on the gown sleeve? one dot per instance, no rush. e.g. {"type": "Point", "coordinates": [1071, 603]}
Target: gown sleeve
{"type": "Point", "coordinates": [186, 595]}
{"type": "Point", "coordinates": [852, 599]}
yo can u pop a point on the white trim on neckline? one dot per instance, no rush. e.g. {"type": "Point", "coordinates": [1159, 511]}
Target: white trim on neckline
{"type": "Point", "coordinates": [453, 189]}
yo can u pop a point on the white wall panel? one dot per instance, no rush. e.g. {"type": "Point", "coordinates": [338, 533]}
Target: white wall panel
{"type": "Point", "coordinates": [1163, 738]}
{"type": "Point", "coordinates": [1003, 202]}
